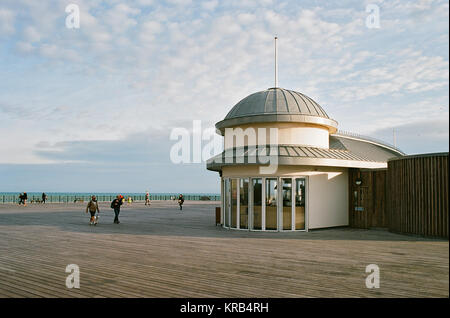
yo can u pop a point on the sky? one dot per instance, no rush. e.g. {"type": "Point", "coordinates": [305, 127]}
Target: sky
{"type": "Point", "coordinates": [92, 108]}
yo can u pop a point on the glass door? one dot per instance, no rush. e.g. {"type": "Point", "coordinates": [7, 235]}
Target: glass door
{"type": "Point", "coordinates": [257, 204]}
{"type": "Point", "coordinates": [243, 203]}
{"type": "Point", "coordinates": [300, 203]}
{"type": "Point", "coordinates": [286, 196]}
{"type": "Point", "coordinates": [234, 202]}
{"type": "Point", "coordinates": [227, 203]}
{"type": "Point", "coordinates": [271, 204]}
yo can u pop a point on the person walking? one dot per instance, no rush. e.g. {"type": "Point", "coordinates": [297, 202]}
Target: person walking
{"type": "Point", "coordinates": [181, 201]}
{"type": "Point", "coordinates": [93, 207]}
{"type": "Point", "coordinates": [44, 197]}
{"type": "Point", "coordinates": [147, 198]}
{"type": "Point", "coordinates": [25, 198]}
{"type": "Point", "coordinates": [115, 204]}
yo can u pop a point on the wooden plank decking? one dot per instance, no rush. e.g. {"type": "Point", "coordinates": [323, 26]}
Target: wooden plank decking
{"type": "Point", "coordinates": [160, 252]}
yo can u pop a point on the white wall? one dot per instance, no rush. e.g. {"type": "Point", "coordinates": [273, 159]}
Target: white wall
{"type": "Point", "coordinates": [288, 134]}
{"type": "Point", "coordinates": [328, 200]}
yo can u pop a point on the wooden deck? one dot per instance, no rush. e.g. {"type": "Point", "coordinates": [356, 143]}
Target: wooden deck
{"type": "Point", "coordinates": [160, 252]}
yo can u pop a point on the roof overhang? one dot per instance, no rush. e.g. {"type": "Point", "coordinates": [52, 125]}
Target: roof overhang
{"type": "Point", "coordinates": [330, 124]}
{"type": "Point", "coordinates": [323, 162]}
{"type": "Point", "coordinates": [303, 156]}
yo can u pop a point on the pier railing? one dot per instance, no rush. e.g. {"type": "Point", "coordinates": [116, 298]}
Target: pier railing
{"type": "Point", "coordinates": [14, 198]}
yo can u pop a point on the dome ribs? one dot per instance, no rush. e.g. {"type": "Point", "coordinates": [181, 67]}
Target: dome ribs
{"type": "Point", "coordinates": [304, 103]}
{"type": "Point", "coordinates": [320, 110]}
{"type": "Point", "coordinates": [293, 97]}
{"type": "Point", "coordinates": [281, 102]}
{"type": "Point", "coordinates": [270, 105]}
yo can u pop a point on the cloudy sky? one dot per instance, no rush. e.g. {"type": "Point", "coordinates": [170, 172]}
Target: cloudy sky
{"type": "Point", "coordinates": [92, 108]}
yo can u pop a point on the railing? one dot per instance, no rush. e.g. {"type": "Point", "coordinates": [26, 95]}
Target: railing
{"type": "Point", "coordinates": [375, 140]}
{"type": "Point", "coordinates": [14, 198]}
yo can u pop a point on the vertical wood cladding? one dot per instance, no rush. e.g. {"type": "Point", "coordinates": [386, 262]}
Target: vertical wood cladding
{"type": "Point", "coordinates": [411, 196]}
{"type": "Point", "coordinates": [418, 195]}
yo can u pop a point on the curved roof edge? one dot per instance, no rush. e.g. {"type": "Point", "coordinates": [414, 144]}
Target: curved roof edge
{"type": "Point", "coordinates": [291, 161]}
{"type": "Point", "coordinates": [277, 118]}
{"type": "Point", "coordinates": [299, 156]}
{"type": "Point", "coordinates": [369, 140]}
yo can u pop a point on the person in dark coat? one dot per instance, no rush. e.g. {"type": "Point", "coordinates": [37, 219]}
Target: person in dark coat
{"type": "Point", "coordinates": [181, 201]}
{"type": "Point", "coordinates": [115, 204]}
{"type": "Point", "coordinates": [44, 197]}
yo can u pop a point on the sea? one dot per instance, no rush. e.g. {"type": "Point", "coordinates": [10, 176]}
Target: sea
{"type": "Point", "coordinates": [7, 197]}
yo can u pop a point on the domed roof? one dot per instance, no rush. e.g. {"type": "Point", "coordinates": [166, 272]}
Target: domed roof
{"type": "Point", "coordinates": [277, 105]}
{"type": "Point", "coordinates": [276, 101]}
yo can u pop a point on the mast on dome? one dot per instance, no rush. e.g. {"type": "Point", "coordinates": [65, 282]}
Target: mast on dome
{"type": "Point", "coordinates": [276, 63]}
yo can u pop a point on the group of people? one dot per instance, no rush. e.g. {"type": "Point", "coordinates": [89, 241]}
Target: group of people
{"type": "Point", "coordinates": [93, 209]}
{"type": "Point", "coordinates": [23, 198]}
{"type": "Point", "coordinates": [180, 200]}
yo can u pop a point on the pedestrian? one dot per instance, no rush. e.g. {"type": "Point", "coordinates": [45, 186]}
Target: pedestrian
{"type": "Point", "coordinates": [25, 198]}
{"type": "Point", "coordinates": [115, 204]}
{"type": "Point", "coordinates": [181, 201]}
{"type": "Point", "coordinates": [92, 207]}
{"type": "Point", "coordinates": [20, 198]}
{"type": "Point", "coordinates": [44, 197]}
{"type": "Point", "coordinates": [147, 198]}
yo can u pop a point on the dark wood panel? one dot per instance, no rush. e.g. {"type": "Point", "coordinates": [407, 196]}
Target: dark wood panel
{"type": "Point", "coordinates": [373, 189]}
{"type": "Point", "coordinates": [418, 195]}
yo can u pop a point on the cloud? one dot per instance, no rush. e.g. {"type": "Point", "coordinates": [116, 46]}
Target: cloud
{"type": "Point", "coordinates": [24, 47]}
{"type": "Point", "coordinates": [210, 5]}
{"type": "Point", "coordinates": [7, 19]}
{"type": "Point", "coordinates": [121, 17]}
{"type": "Point", "coordinates": [144, 148]}
{"type": "Point", "coordinates": [180, 2]}
{"type": "Point", "coordinates": [160, 64]}
{"type": "Point", "coordinates": [31, 34]}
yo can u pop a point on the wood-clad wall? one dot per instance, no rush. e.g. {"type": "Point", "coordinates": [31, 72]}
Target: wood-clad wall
{"type": "Point", "coordinates": [417, 195]}
{"type": "Point", "coordinates": [411, 196]}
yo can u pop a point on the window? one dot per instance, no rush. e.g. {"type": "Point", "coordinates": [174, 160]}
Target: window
{"type": "Point", "coordinates": [257, 203]}
{"type": "Point", "coordinates": [300, 204]}
{"type": "Point", "coordinates": [287, 203]}
{"type": "Point", "coordinates": [243, 203]}
{"type": "Point", "coordinates": [234, 194]}
{"type": "Point", "coordinates": [271, 204]}
{"type": "Point", "coordinates": [227, 202]}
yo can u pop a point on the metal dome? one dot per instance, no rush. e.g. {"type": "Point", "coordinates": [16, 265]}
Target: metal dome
{"type": "Point", "coordinates": [277, 105]}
